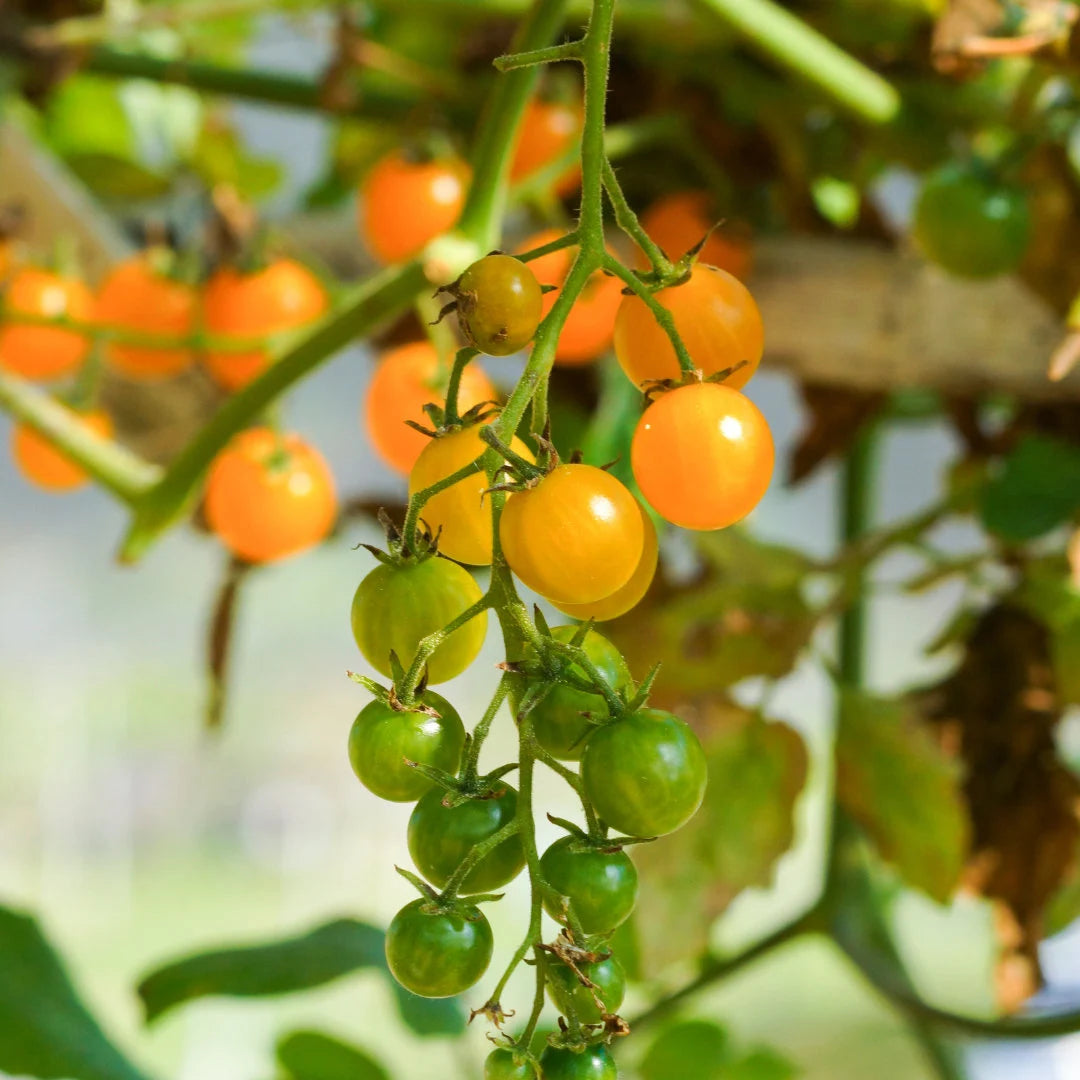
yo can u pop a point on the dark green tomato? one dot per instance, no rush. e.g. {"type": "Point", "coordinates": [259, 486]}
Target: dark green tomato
{"type": "Point", "coordinates": [499, 304]}
{"type": "Point", "coordinates": [690, 1050]}
{"type": "Point", "coordinates": [557, 721]}
{"type": "Point", "coordinates": [383, 739]}
{"type": "Point", "coordinates": [569, 995]}
{"type": "Point", "coordinates": [646, 774]}
{"type": "Point", "coordinates": [971, 224]}
{"type": "Point", "coordinates": [441, 837]}
{"type": "Point", "coordinates": [601, 886]}
{"type": "Point", "coordinates": [500, 1065]}
{"type": "Point", "coordinates": [438, 955]}
{"type": "Point", "coordinates": [593, 1063]}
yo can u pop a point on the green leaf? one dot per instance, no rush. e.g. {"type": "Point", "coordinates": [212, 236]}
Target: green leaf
{"type": "Point", "coordinates": [760, 1064]}
{"type": "Point", "coordinates": [688, 1050]}
{"type": "Point", "coordinates": [896, 782]}
{"type": "Point", "coordinates": [1037, 490]}
{"type": "Point", "coordinates": [86, 116]}
{"type": "Point", "coordinates": [1048, 592]}
{"type": "Point", "coordinates": [45, 1030]}
{"type": "Point", "coordinates": [220, 157]}
{"type": "Point", "coordinates": [310, 1055]}
{"type": "Point", "coordinates": [429, 1016]}
{"type": "Point", "coordinates": [756, 770]}
{"type": "Point", "coordinates": [1064, 906]}
{"type": "Point", "coordinates": [116, 178]}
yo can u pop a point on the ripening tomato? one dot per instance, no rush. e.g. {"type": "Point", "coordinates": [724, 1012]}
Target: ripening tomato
{"type": "Point", "coordinates": [570, 995]}
{"type": "Point", "coordinates": [678, 221]}
{"type": "Point", "coordinates": [405, 204]}
{"type": "Point", "coordinates": [269, 496]}
{"type": "Point", "coordinates": [499, 304]}
{"type": "Point", "coordinates": [574, 537]}
{"type": "Point", "coordinates": [283, 295]}
{"type": "Point", "coordinates": [630, 595]}
{"type": "Point", "coordinates": [716, 317]}
{"type": "Point", "coordinates": [592, 1063]}
{"type": "Point", "coordinates": [46, 466]}
{"type": "Point", "coordinates": [44, 352]}
{"type": "Point", "coordinates": [406, 379]}
{"type": "Point", "coordinates": [548, 130]}
{"type": "Point", "coordinates": [459, 514]}
{"type": "Point", "coordinates": [589, 327]}
{"type": "Point", "coordinates": [703, 456]}
{"type": "Point", "coordinates": [503, 1064]}
{"type": "Point", "coordinates": [139, 295]}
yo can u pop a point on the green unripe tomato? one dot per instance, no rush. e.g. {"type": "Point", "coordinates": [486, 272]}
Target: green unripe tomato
{"type": "Point", "coordinates": [569, 995]}
{"type": "Point", "coordinates": [593, 1063]}
{"type": "Point", "coordinates": [689, 1050]}
{"type": "Point", "coordinates": [500, 1065]}
{"type": "Point", "coordinates": [397, 606]}
{"type": "Point", "coordinates": [645, 774]}
{"type": "Point", "coordinates": [600, 886]}
{"type": "Point", "coordinates": [438, 954]}
{"type": "Point", "coordinates": [383, 738]}
{"type": "Point", "coordinates": [972, 224]}
{"type": "Point", "coordinates": [440, 837]}
{"type": "Point", "coordinates": [500, 304]}
{"type": "Point", "coordinates": [557, 721]}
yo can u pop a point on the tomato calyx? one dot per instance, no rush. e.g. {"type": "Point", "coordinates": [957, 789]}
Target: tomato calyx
{"type": "Point", "coordinates": [576, 955]}
{"type": "Point", "coordinates": [652, 388]}
{"type": "Point", "coordinates": [436, 903]}
{"type": "Point", "coordinates": [495, 1013]}
{"type": "Point", "coordinates": [390, 697]}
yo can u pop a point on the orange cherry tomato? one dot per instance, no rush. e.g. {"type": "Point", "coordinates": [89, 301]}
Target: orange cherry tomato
{"type": "Point", "coordinates": [137, 296]}
{"type": "Point", "coordinates": [405, 204]}
{"type": "Point", "coordinates": [575, 537]}
{"type": "Point", "coordinates": [548, 130]}
{"type": "Point", "coordinates": [282, 296]}
{"type": "Point", "coordinates": [588, 330]}
{"type": "Point", "coordinates": [269, 496]}
{"type": "Point", "coordinates": [406, 379]}
{"type": "Point", "coordinates": [46, 466]}
{"type": "Point", "coordinates": [703, 456]}
{"type": "Point", "coordinates": [716, 317]}
{"type": "Point", "coordinates": [678, 221]}
{"type": "Point", "coordinates": [44, 352]}
{"type": "Point", "coordinates": [631, 594]}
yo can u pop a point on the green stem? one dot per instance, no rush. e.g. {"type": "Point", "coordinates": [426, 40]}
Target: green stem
{"type": "Point", "coordinates": [476, 853]}
{"type": "Point", "coordinates": [422, 497]}
{"type": "Point", "coordinates": [480, 733]}
{"type": "Point", "coordinates": [856, 518]}
{"type": "Point", "coordinates": [627, 220]}
{"type": "Point", "coordinates": [569, 50]}
{"type": "Point", "coordinates": [462, 359]}
{"type": "Point", "coordinates": [429, 644]}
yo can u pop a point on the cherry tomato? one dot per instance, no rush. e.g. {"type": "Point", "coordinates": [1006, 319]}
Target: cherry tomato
{"type": "Point", "coordinates": [501, 1064]}
{"type": "Point", "coordinates": [971, 223]}
{"type": "Point", "coordinates": [575, 537]}
{"type": "Point", "coordinates": [438, 954]}
{"type": "Point", "coordinates": [601, 886]}
{"type": "Point", "coordinates": [395, 607]}
{"type": "Point", "coordinates": [592, 1063]}
{"type": "Point", "coordinates": [716, 317]}
{"type": "Point", "coordinates": [499, 304]}
{"type": "Point", "coordinates": [138, 295]}
{"type": "Point", "coordinates": [690, 1050]}
{"type": "Point", "coordinates": [548, 130]}
{"type": "Point", "coordinates": [44, 352]}
{"type": "Point", "coordinates": [269, 496]}
{"type": "Point", "coordinates": [588, 330]}
{"type": "Point", "coordinates": [46, 466]}
{"type": "Point", "coordinates": [703, 456]}
{"type": "Point", "coordinates": [630, 595]}
{"type": "Point", "coordinates": [283, 295]}
{"type": "Point", "coordinates": [460, 513]}
{"type": "Point", "coordinates": [569, 995]}
{"type": "Point", "coordinates": [557, 721]}
{"type": "Point", "coordinates": [440, 837]}
{"type": "Point", "coordinates": [406, 379]}
{"type": "Point", "coordinates": [645, 774]}
{"type": "Point", "coordinates": [405, 204]}
{"type": "Point", "coordinates": [678, 221]}
{"type": "Point", "coordinates": [383, 739]}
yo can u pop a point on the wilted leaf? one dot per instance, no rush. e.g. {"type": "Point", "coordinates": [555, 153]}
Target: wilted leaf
{"type": "Point", "coordinates": [756, 771]}
{"type": "Point", "coordinates": [310, 1055]}
{"type": "Point", "coordinates": [896, 782]}
{"type": "Point", "coordinates": [45, 1030]}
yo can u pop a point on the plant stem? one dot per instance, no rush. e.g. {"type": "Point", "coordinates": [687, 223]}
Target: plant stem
{"type": "Point", "coordinates": [421, 498]}
{"type": "Point", "coordinates": [856, 514]}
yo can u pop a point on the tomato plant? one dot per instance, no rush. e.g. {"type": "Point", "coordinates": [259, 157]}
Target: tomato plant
{"type": "Point", "coordinates": [599, 887]}
{"type": "Point", "coordinates": [44, 352]}
{"type": "Point", "coordinates": [592, 1063]}
{"type": "Point", "coordinates": [680, 220]}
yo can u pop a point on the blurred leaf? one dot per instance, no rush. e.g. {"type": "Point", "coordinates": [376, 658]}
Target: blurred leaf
{"type": "Point", "coordinates": [756, 771]}
{"type": "Point", "coordinates": [688, 1050]}
{"type": "Point", "coordinates": [1064, 906]}
{"type": "Point", "coordinates": [86, 116]}
{"type": "Point", "coordinates": [836, 200]}
{"type": "Point", "coordinates": [429, 1016]}
{"type": "Point", "coordinates": [611, 425]}
{"type": "Point", "coordinates": [357, 145]}
{"type": "Point", "coordinates": [219, 157]}
{"type": "Point", "coordinates": [309, 1055]}
{"type": "Point", "coordinates": [1037, 490]}
{"type": "Point", "coordinates": [120, 179]}
{"type": "Point", "coordinates": [1048, 592]}
{"type": "Point", "coordinates": [895, 781]}
{"type": "Point", "coordinates": [45, 1030]}
{"type": "Point", "coordinates": [760, 1064]}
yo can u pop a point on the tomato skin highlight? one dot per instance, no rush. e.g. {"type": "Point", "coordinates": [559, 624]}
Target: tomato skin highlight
{"type": "Point", "coordinates": [645, 774]}
{"type": "Point", "coordinates": [284, 295]}
{"type": "Point", "coordinates": [600, 886]}
{"type": "Point", "coordinates": [395, 607]}
{"type": "Point", "coordinates": [269, 496]}
{"type": "Point", "coordinates": [44, 353]}
{"type": "Point", "coordinates": [703, 456]}
{"type": "Point", "coordinates": [499, 304]}
{"type": "Point", "coordinates": [716, 317]}
{"type": "Point", "coordinates": [400, 388]}
{"type": "Point", "coordinates": [575, 537]}
{"type": "Point", "coordinates": [382, 738]}
{"type": "Point", "coordinates": [500, 1065]}
{"type": "Point", "coordinates": [548, 130]}
{"type": "Point", "coordinates": [437, 954]}
{"type": "Point", "coordinates": [440, 837]}
{"type": "Point", "coordinates": [568, 994]}
{"type": "Point", "coordinates": [678, 221]}
{"type": "Point", "coordinates": [593, 1063]}
{"type": "Point", "coordinates": [47, 467]}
